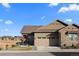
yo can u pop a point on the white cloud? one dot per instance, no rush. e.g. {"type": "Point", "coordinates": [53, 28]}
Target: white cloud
{"type": "Point", "coordinates": [68, 20]}
{"type": "Point", "coordinates": [52, 4]}
{"type": "Point", "coordinates": [8, 22]}
{"type": "Point", "coordinates": [43, 17]}
{"type": "Point", "coordinates": [71, 7]}
{"type": "Point", "coordinates": [7, 5]}
{"type": "Point", "coordinates": [63, 9]}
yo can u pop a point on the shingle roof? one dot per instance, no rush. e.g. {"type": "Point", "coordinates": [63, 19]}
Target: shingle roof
{"type": "Point", "coordinates": [76, 25]}
{"type": "Point", "coordinates": [29, 28]}
{"type": "Point", "coordinates": [51, 28]}
{"type": "Point", "coordinates": [48, 28]}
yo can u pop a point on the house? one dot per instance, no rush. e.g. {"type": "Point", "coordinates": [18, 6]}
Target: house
{"type": "Point", "coordinates": [9, 41]}
{"type": "Point", "coordinates": [56, 33]}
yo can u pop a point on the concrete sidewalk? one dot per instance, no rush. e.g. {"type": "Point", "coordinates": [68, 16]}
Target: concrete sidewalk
{"type": "Point", "coordinates": [17, 51]}
{"type": "Point", "coordinates": [43, 49]}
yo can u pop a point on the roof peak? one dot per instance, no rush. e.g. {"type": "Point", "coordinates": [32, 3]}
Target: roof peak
{"type": "Point", "coordinates": [57, 20]}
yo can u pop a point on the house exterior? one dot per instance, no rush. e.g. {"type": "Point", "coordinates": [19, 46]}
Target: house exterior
{"type": "Point", "coordinates": [56, 33]}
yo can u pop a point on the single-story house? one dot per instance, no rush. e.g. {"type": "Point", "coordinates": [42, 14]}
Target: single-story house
{"type": "Point", "coordinates": [56, 33]}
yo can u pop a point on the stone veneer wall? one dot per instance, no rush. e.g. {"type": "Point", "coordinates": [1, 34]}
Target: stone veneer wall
{"type": "Point", "coordinates": [64, 39]}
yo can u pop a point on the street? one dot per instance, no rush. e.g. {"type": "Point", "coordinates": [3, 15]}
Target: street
{"type": "Point", "coordinates": [27, 54]}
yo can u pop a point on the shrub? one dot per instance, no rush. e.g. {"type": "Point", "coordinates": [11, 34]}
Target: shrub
{"type": "Point", "coordinates": [63, 46]}
{"type": "Point", "coordinates": [77, 46]}
{"type": "Point", "coordinates": [68, 47]}
{"type": "Point", "coordinates": [73, 46]}
{"type": "Point", "coordinates": [0, 48]}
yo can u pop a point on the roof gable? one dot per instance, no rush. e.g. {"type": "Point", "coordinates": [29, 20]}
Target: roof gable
{"type": "Point", "coordinates": [70, 28]}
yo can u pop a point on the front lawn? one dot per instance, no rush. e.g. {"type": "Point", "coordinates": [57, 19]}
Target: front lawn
{"type": "Point", "coordinates": [21, 48]}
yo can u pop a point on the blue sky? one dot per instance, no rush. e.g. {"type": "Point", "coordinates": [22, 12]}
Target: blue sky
{"type": "Point", "coordinates": [14, 16]}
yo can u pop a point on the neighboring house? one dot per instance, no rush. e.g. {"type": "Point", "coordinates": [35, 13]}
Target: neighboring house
{"type": "Point", "coordinates": [56, 33]}
{"type": "Point", "coordinates": [9, 41]}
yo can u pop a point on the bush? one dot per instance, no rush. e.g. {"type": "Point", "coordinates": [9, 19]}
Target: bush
{"type": "Point", "coordinates": [63, 46]}
{"type": "Point", "coordinates": [73, 46]}
{"type": "Point", "coordinates": [69, 47]}
{"type": "Point", "coordinates": [77, 46]}
{"type": "Point", "coordinates": [0, 48]}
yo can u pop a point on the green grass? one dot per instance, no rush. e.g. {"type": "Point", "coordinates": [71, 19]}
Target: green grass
{"type": "Point", "coordinates": [21, 48]}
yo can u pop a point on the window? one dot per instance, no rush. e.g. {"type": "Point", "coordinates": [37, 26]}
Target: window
{"type": "Point", "coordinates": [43, 37]}
{"type": "Point", "coordinates": [39, 37]}
{"type": "Point", "coordinates": [72, 36]}
{"type": "Point", "coordinates": [51, 37]}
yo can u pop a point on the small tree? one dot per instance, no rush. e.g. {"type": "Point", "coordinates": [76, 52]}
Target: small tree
{"type": "Point", "coordinates": [6, 47]}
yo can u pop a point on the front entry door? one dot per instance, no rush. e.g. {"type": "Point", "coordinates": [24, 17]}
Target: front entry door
{"type": "Point", "coordinates": [53, 41]}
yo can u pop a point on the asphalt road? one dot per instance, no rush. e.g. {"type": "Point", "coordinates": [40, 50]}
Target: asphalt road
{"type": "Point", "coordinates": [40, 54]}
{"type": "Point", "coordinates": [27, 54]}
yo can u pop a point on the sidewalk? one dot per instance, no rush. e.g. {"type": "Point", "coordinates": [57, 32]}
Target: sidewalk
{"type": "Point", "coordinates": [17, 51]}
{"type": "Point", "coordinates": [43, 49]}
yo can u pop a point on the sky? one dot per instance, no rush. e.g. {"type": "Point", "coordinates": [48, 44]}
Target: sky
{"type": "Point", "coordinates": [13, 16]}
